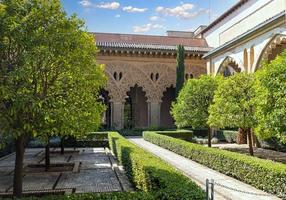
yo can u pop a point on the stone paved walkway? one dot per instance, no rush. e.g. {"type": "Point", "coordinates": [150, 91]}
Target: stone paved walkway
{"type": "Point", "coordinates": [200, 173]}
{"type": "Point", "coordinates": [95, 170]}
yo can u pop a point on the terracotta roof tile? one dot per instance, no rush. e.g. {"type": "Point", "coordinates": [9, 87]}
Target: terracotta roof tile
{"type": "Point", "coordinates": [148, 40]}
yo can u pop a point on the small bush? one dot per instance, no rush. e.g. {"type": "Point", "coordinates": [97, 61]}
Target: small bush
{"type": "Point", "coordinates": [99, 196]}
{"type": "Point", "coordinates": [150, 174]}
{"type": "Point", "coordinates": [263, 174]}
{"type": "Point", "coordinates": [180, 134]}
{"type": "Point", "coordinates": [227, 135]}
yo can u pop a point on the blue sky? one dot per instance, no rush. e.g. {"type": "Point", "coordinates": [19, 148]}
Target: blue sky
{"type": "Point", "coordinates": [146, 16]}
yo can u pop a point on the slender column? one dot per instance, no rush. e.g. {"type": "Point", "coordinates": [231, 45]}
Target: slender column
{"type": "Point", "coordinates": [154, 111]}
{"type": "Point", "coordinates": [117, 115]}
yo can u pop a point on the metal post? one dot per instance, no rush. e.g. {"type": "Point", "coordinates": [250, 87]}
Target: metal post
{"type": "Point", "coordinates": [207, 189]}
{"type": "Point", "coordinates": [212, 189]}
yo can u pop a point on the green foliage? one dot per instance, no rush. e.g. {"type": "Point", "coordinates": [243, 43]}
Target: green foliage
{"type": "Point", "coordinates": [180, 68]}
{"type": "Point", "coordinates": [263, 174]}
{"type": "Point", "coordinates": [180, 134]}
{"type": "Point", "coordinates": [233, 103]}
{"type": "Point", "coordinates": [99, 196]}
{"type": "Point", "coordinates": [49, 78]}
{"type": "Point", "coordinates": [191, 107]}
{"type": "Point", "coordinates": [270, 109]}
{"type": "Point", "coordinates": [151, 174]}
{"type": "Point", "coordinates": [227, 135]}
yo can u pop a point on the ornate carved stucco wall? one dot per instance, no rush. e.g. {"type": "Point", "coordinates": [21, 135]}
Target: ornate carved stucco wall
{"type": "Point", "coordinates": [153, 73]}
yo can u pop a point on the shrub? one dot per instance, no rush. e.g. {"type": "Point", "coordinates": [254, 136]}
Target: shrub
{"type": "Point", "coordinates": [150, 174]}
{"type": "Point", "coordinates": [180, 134]}
{"type": "Point", "coordinates": [263, 174]}
{"type": "Point", "coordinates": [99, 196]}
{"type": "Point", "coordinates": [227, 135]}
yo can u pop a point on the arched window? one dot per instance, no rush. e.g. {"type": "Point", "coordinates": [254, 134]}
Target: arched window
{"type": "Point", "coordinates": [245, 59]}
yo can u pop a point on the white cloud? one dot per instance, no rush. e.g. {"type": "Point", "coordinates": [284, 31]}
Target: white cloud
{"type": "Point", "coordinates": [154, 18]}
{"type": "Point", "coordinates": [133, 9]}
{"type": "Point", "coordinates": [117, 16]}
{"type": "Point", "coordinates": [111, 5]}
{"type": "Point", "coordinates": [184, 11]}
{"type": "Point", "coordinates": [147, 27]}
{"type": "Point", "coordinates": [85, 3]}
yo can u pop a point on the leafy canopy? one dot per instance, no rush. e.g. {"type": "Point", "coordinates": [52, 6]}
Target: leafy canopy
{"type": "Point", "coordinates": [233, 102]}
{"type": "Point", "coordinates": [191, 107]}
{"type": "Point", "coordinates": [270, 88]}
{"type": "Point", "coordinates": [49, 78]}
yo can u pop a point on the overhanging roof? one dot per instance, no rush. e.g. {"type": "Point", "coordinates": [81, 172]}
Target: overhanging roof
{"type": "Point", "coordinates": [240, 38]}
{"type": "Point", "coordinates": [149, 42]}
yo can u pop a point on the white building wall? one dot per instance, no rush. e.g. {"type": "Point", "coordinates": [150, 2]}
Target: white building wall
{"type": "Point", "coordinates": [237, 53]}
{"type": "Point", "coordinates": [243, 19]}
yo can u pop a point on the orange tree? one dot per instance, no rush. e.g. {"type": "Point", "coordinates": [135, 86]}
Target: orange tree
{"type": "Point", "coordinates": [192, 104]}
{"type": "Point", "coordinates": [233, 104]}
{"type": "Point", "coordinates": [270, 111]}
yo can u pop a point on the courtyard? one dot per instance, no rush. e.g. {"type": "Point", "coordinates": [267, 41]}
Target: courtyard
{"type": "Point", "coordinates": [143, 100]}
{"type": "Point", "coordinates": [80, 170]}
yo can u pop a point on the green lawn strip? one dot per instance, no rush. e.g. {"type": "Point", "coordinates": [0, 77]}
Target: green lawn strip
{"type": "Point", "coordinates": [263, 174]}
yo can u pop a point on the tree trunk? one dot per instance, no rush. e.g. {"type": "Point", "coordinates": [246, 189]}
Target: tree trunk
{"type": "Point", "coordinates": [47, 157]}
{"type": "Point", "coordinates": [241, 137]}
{"type": "Point", "coordinates": [209, 137]}
{"type": "Point", "coordinates": [62, 146]}
{"type": "Point", "coordinates": [250, 143]}
{"type": "Point", "coordinates": [18, 172]}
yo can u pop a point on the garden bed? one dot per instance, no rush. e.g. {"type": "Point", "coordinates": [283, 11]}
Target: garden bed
{"type": "Point", "coordinates": [262, 174]}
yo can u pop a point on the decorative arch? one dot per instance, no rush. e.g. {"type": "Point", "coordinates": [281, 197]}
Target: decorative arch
{"type": "Point", "coordinates": [153, 78]}
{"type": "Point", "coordinates": [245, 59]}
{"type": "Point", "coordinates": [228, 67]}
{"type": "Point", "coordinates": [251, 57]}
{"type": "Point", "coordinates": [274, 47]}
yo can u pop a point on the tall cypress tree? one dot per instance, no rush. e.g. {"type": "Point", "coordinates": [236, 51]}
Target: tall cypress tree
{"type": "Point", "coordinates": [180, 68]}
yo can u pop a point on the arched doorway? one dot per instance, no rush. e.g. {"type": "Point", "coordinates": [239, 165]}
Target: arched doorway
{"type": "Point", "coordinates": [166, 120]}
{"type": "Point", "coordinates": [228, 67]}
{"type": "Point", "coordinates": [136, 109]}
{"type": "Point", "coordinates": [275, 47]}
{"type": "Point", "coordinates": [106, 118]}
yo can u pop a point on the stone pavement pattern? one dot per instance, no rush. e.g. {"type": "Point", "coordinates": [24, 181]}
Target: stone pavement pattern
{"type": "Point", "coordinates": [200, 173]}
{"type": "Point", "coordinates": [96, 172]}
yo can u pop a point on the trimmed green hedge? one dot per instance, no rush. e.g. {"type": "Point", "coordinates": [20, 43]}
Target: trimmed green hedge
{"type": "Point", "coordinates": [99, 196]}
{"type": "Point", "coordinates": [150, 174]}
{"type": "Point", "coordinates": [227, 135]}
{"type": "Point", "coordinates": [263, 174]}
{"type": "Point", "coordinates": [180, 134]}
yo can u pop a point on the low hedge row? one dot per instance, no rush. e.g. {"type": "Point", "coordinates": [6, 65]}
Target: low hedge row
{"type": "Point", "coordinates": [227, 135]}
{"type": "Point", "coordinates": [180, 134]}
{"type": "Point", "coordinates": [150, 174]}
{"type": "Point", "coordinates": [263, 174]}
{"type": "Point", "coordinates": [98, 196]}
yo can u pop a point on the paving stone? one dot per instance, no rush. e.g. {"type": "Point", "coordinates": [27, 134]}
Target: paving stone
{"type": "Point", "coordinates": [88, 157]}
{"type": "Point", "coordinates": [6, 170]}
{"type": "Point", "coordinates": [99, 180]}
{"type": "Point", "coordinates": [39, 181]}
{"type": "Point", "coordinates": [58, 158]}
{"type": "Point", "coordinates": [5, 182]}
{"type": "Point", "coordinates": [93, 165]}
{"type": "Point", "coordinates": [93, 150]}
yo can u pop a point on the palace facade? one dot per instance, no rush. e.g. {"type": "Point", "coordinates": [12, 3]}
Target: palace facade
{"type": "Point", "coordinates": [141, 69]}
